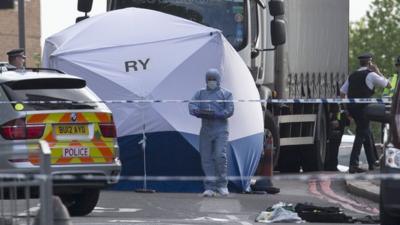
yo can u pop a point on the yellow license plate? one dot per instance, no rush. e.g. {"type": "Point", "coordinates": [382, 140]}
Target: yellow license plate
{"type": "Point", "coordinates": [72, 129]}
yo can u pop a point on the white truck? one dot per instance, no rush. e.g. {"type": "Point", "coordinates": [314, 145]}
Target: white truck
{"type": "Point", "coordinates": [294, 49]}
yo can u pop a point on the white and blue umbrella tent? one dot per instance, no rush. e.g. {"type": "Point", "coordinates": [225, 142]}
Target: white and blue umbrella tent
{"type": "Point", "coordinates": [136, 54]}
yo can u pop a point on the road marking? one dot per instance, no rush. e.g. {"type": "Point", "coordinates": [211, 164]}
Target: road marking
{"type": "Point", "coordinates": [232, 217]}
{"type": "Point", "coordinates": [314, 189]}
{"type": "Point", "coordinates": [326, 188]}
{"type": "Point", "coordinates": [220, 205]}
{"type": "Point", "coordinates": [127, 221]}
{"type": "Point", "coordinates": [128, 210]}
{"type": "Point", "coordinates": [207, 218]}
{"type": "Point", "coordinates": [118, 210]}
{"type": "Point", "coordinates": [329, 196]}
{"type": "Point", "coordinates": [236, 219]}
{"type": "Point", "coordinates": [31, 211]}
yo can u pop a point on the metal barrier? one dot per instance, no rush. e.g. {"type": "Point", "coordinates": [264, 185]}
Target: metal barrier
{"type": "Point", "coordinates": [15, 191]}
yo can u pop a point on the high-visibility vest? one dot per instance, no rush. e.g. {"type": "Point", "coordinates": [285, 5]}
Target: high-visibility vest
{"type": "Point", "coordinates": [393, 82]}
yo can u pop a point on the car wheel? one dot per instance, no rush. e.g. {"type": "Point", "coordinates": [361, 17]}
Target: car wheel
{"type": "Point", "coordinates": [81, 204]}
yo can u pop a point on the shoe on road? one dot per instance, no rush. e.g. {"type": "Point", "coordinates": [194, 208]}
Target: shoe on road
{"type": "Point", "coordinates": [223, 191]}
{"type": "Point", "coordinates": [356, 170]}
{"type": "Point", "coordinates": [209, 193]}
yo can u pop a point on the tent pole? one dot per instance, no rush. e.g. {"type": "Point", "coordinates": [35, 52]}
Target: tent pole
{"type": "Point", "coordinates": [143, 143]}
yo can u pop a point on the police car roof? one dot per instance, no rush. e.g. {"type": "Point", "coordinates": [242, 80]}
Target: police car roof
{"type": "Point", "coordinates": [17, 75]}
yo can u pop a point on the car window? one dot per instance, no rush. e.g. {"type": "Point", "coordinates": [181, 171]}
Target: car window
{"type": "Point", "coordinates": [73, 90]}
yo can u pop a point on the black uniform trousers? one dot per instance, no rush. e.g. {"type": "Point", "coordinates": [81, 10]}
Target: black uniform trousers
{"type": "Point", "coordinates": [363, 135]}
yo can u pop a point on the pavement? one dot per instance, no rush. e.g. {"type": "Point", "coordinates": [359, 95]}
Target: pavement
{"type": "Point", "coordinates": [368, 189]}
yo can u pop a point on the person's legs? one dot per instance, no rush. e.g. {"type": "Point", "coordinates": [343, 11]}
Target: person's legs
{"type": "Point", "coordinates": [374, 150]}
{"type": "Point", "coordinates": [368, 144]}
{"type": "Point", "coordinates": [355, 113]}
{"type": "Point", "coordinates": [207, 161]}
{"type": "Point", "coordinates": [369, 152]}
{"type": "Point", "coordinates": [221, 164]}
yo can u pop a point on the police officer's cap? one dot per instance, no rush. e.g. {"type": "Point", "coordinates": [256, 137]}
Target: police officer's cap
{"type": "Point", "coordinates": [365, 56]}
{"type": "Point", "coordinates": [16, 52]}
{"type": "Point", "coordinates": [397, 62]}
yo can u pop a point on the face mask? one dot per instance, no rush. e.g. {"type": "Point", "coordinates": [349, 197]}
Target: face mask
{"type": "Point", "coordinates": [212, 84]}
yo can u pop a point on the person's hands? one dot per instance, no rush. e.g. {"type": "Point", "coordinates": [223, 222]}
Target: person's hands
{"type": "Point", "coordinates": [374, 68]}
{"type": "Point", "coordinates": [208, 115]}
{"type": "Point", "coordinates": [196, 113]}
{"type": "Point", "coordinates": [219, 115]}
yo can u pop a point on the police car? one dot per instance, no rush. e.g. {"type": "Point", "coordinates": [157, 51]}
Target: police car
{"type": "Point", "coordinates": [47, 105]}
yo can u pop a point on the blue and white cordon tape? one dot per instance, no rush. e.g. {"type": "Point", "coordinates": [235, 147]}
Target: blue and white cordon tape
{"type": "Point", "coordinates": [300, 177]}
{"type": "Point", "coordinates": [270, 101]}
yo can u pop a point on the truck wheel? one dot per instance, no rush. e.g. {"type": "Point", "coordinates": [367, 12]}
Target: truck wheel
{"type": "Point", "coordinates": [289, 160]}
{"type": "Point", "coordinates": [81, 204]}
{"type": "Point", "coordinates": [313, 157]}
{"type": "Point", "coordinates": [270, 126]}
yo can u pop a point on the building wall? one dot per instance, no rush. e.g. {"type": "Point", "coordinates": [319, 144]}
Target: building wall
{"type": "Point", "coordinates": [9, 32]}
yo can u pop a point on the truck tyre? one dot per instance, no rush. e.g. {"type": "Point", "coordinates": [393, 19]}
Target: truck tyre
{"type": "Point", "coordinates": [269, 125]}
{"type": "Point", "coordinates": [313, 157]}
{"type": "Point", "coordinates": [289, 160]}
{"type": "Point", "coordinates": [81, 204]}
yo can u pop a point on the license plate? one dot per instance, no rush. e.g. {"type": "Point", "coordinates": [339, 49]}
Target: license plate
{"type": "Point", "coordinates": [72, 152]}
{"type": "Point", "coordinates": [72, 129]}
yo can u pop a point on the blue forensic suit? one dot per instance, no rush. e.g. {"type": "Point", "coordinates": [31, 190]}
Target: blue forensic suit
{"type": "Point", "coordinates": [214, 131]}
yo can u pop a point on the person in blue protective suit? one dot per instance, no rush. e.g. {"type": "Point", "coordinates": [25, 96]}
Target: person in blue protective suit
{"type": "Point", "coordinates": [214, 132]}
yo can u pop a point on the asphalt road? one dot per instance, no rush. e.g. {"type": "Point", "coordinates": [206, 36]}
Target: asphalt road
{"type": "Point", "coordinates": [177, 208]}
{"type": "Point", "coordinates": [183, 208]}
{"type": "Point", "coordinates": [191, 208]}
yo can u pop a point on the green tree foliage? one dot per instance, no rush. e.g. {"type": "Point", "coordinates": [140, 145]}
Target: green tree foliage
{"type": "Point", "coordinates": [379, 33]}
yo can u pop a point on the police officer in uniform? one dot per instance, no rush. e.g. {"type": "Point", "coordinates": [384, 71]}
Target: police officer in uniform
{"type": "Point", "coordinates": [16, 58]}
{"type": "Point", "coordinates": [388, 92]}
{"type": "Point", "coordinates": [361, 84]}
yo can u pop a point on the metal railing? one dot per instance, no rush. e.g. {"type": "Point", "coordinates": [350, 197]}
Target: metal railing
{"type": "Point", "coordinates": [15, 190]}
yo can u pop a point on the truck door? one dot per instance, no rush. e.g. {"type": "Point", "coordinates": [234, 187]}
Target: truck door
{"type": "Point", "coordinates": [256, 57]}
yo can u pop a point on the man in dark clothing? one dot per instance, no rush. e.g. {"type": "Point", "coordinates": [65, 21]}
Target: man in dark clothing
{"type": "Point", "coordinates": [361, 84]}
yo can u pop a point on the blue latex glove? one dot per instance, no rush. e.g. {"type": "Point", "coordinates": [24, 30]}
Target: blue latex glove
{"type": "Point", "coordinates": [207, 115]}
{"type": "Point", "coordinates": [220, 115]}
{"type": "Point", "coordinates": [196, 113]}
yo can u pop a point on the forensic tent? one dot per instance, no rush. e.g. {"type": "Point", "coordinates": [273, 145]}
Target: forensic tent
{"type": "Point", "coordinates": [139, 54]}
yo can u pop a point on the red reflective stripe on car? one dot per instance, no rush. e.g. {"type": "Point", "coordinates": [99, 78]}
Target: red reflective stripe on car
{"type": "Point", "coordinates": [104, 117]}
{"type": "Point", "coordinates": [37, 118]}
{"type": "Point", "coordinates": [105, 150]}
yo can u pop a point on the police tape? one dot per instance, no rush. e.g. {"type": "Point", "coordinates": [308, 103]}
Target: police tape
{"type": "Point", "coordinates": [333, 176]}
{"type": "Point", "coordinates": [271, 101]}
